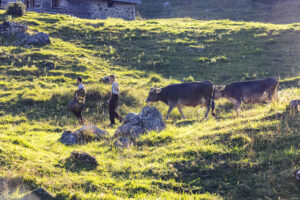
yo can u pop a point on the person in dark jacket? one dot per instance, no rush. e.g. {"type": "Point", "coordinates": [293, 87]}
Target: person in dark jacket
{"type": "Point", "coordinates": [114, 100]}
{"type": "Point", "coordinates": [77, 105]}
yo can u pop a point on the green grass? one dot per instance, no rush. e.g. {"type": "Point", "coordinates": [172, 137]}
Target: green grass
{"type": "Point", "coordinates": [251, 157]}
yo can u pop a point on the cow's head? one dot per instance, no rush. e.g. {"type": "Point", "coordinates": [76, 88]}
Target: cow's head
{"type": "Point", "coordinates": [218, 92]}
{"type": "Point", "coordinates": [153, 95]}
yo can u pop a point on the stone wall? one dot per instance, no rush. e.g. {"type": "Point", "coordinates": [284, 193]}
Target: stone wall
{"type": "Point", "coordinates": [100, 10]}
{"type": "Point", "coordinates": [94, 9]}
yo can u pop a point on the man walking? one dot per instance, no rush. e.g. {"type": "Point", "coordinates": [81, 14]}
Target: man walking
{"type": "Point", "coordinates": [114, 100]}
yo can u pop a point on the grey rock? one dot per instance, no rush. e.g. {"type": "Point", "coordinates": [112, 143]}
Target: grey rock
{"type": "Point", "coordinates": [123, 142]}
{"type": "Point", "coordinates": [68, 138]}
{"type": "Point", "coordinates": [92, 130]}
{"type": "Point", "coordinates": [39, 38]}
{"type": "Point", "coordinates": [20, 32]}
{"type": "Point", "coordinates": [85, 134]}
{"type": "Point", "coordinates": [152, 119]}
{"type": "Point", "coordinates": [135, 125]}
{"type": "Point", "coordinates": [132, 117]}
{"type": "Point", "coordinates": [38, 194]}
{"type": "Point", "coordinates": [82, 159]}
{"type": "Point", "coordinates": [9, 28]}
{"type": "Point", "coordinates": [136, 131]}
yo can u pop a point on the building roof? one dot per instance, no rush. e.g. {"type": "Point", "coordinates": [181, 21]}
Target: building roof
{"type": "Point", "coordinates": [130, 1]}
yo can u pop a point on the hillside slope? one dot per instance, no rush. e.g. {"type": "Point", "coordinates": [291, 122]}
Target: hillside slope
{"type": "Point", "coordinates": [274, 11]}
{"type": "Point", "coordinates": [251, 157]}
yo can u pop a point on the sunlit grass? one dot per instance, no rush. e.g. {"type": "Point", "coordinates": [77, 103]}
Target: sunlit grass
{"type": "Point", "coordinates": [224, 157]}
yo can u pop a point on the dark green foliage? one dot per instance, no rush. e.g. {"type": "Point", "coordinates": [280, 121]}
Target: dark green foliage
{"type": "Point", "coordinates": [17, 9]}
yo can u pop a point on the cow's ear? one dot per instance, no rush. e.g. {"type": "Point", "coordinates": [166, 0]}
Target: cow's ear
{"type": "Point", "coordinates": [158, 90]}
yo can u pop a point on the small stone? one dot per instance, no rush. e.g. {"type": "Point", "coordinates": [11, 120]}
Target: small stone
{"type": "Point", "coordinates": [80, 159]}
{"type": "Point", "coordinates": [92, 130]}
{"type": "Point", "coordinates": [85, 134]}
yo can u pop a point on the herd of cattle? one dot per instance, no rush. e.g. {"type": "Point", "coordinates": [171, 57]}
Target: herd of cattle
{"type": "Point", "coordinates": [204, 93]}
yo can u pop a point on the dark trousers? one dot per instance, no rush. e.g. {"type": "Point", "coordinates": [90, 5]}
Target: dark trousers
{"type": "Point", "coordinates": [113, 104]}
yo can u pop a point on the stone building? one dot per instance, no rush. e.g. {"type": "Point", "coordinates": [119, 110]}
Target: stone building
{"type": "Point", "coordinates": [91, 9]}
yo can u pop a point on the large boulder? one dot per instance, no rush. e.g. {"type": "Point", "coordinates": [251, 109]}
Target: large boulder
{"type": "Point", "coordinates": [85, 134]}
{"type": "Point", "coordinates": [152, 119]}
{"type": "Point", "coordinates": [38, 194]}
{"type": "Point", "coordinates": [134, 125]}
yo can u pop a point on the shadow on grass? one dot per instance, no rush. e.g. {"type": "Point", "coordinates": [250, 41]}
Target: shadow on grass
{"type": "Point", "coordinates": [241, 172]}
{"type": "Point", "coordinates": [183, 123]}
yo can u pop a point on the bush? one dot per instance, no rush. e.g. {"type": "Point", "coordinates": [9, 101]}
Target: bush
{"type": "Point", "coordinates": [16, 9]}
{"type": "Point", "coordinates": [189, 79]}
{"type": "Point", "coordinates": [155, 79]}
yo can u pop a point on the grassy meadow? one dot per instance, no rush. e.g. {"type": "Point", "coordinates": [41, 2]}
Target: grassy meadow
{"type": "Point", "coordinates": [250, 157]}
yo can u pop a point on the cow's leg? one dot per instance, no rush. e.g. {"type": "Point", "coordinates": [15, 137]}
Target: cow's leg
{"type": "Point", "coordinates": [181, 112]}
{"type": "Point", "coordinates": [172, 106]}
{"type": "Point", "coordinates": [213, 108]}
{"type": "Point", "coordinates": [81, 121]}
{"type": "Point", "coordinates": [275, 94]}
{"type": "Point", "coordinates": [208, 106]}
{"type": "Point", "coordinates": [237, 106]}
{"type": "Point", "coordinates": [78, 115]}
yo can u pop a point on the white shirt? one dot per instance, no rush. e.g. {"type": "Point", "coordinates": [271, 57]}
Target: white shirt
{"type": "Point", "coordinates": [114, 88]}
{"type": "Point", "coordinates": [81, 86]}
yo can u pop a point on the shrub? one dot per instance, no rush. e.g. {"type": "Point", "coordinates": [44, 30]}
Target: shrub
{"type": "Point", "coordinates": [188, 79]}
{"type": "Point", "coordinates": [155, 79]}
{"type": "Point", "coordinates": [16, 9]}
